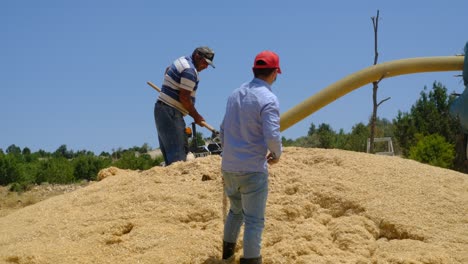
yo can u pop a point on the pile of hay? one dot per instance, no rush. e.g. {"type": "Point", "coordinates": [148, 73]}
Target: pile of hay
{"type": "Point", "coordinates": [324, 206]}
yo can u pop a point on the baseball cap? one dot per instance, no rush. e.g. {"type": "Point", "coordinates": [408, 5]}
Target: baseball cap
{"type": "Point", "coordinates": [207, 53]}
{"type": "Point", "coordinates": [267, 60]}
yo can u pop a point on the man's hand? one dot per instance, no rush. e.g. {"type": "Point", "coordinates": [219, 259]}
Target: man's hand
{"type": "Point", "coordinates": [272, 159]}
{"type": "Point", "coordinates": [214, 134]}
{"type": "Point", "coordinates": [198, 119]}
{"type": "Point", "coordinates": [186, 101]}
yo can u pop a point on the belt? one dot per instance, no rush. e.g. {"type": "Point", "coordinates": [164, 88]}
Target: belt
{"type": "Point", "coordinates": [161, 102]}
{"type": "Point", "coordinates": [165, 104]}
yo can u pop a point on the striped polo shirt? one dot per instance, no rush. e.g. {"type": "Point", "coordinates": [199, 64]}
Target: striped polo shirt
{"type": "Point", "coordinates": [182, 74]}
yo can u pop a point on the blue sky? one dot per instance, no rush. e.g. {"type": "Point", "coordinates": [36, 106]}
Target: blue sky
{"type": "Point", "coordinates": [75, 72]}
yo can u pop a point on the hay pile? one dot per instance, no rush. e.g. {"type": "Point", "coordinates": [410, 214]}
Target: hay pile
{"type": "Point", "coordinates": [324, 206]}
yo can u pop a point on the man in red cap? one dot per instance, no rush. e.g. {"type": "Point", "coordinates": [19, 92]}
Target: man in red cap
{"type": "Point", "coordinates": [250, 136]}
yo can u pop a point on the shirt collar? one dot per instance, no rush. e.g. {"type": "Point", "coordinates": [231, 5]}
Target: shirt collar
{"type": "Point", "coordinates": [260, 82]}
{"type": "Point", "coordinates": [192, 65]}
{"type": "Point", "coordinates": [190, 61]}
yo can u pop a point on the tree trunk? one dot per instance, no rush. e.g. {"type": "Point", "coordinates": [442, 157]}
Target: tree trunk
{"type": "Point", "coordinates": [375, 86]}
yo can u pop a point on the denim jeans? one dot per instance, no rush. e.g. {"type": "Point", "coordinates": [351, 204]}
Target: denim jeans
{"type": "Point", "coordinates": [170, 125]}
{"type": "Point", "coordinates": [247, 193]}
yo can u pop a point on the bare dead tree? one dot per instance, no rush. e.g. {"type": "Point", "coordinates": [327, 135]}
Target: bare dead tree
{"type": "Point", "coordinates": [375, 85]}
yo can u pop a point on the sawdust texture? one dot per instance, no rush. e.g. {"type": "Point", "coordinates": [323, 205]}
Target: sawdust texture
{"type": "Point", "coordinates": [12, 201]}
{"type": "Point", "coordinates": [324, 206]}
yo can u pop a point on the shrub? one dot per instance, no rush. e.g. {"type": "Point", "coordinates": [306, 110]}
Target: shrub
{"type": "Point", "coordinates": [19, 187]}
{"type": "Point", "coordinates": [55, 170]}
{"type": "Point", "coordinates": [9, 170]}
{"type": "Point", "coordinates": [134, 161]}
{"type": "Point", "coordinates": [86, 167]}
{"type": "Point", "coordinates": [433, 150]}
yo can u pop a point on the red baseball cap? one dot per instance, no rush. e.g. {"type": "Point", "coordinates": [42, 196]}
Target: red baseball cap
{"type": "Point", "coordinates": [267, 60]}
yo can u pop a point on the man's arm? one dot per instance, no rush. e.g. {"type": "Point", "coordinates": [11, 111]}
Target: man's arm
{"type": "Point", "coordinates": [186, 101]}
{"type": "Point", "coordinates": [271, 131]}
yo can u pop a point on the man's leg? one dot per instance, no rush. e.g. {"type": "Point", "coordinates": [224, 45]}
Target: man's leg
{"type": "Point", "coordinates": [254, 190]}
{"type": "Point", "coordinates": [163, 150]}
{"type": "Point", "coordinates": [235, 217]}
{"type": "Point", "coordinates": [171, 133]}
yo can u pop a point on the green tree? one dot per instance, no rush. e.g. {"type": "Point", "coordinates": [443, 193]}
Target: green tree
{"type": "Point", "coordinates": [9, 169]}
{"type": "Point", "coordinates": [341, 139]}
{"type": "Point", "coordinates": [13, 150]}
{"type": "Point", "coordinates": [117, 154]}
{"type": "Point", "coordinates": [29, 171]}
{"type": "Point", "coordinates": [134, 161]}
{"type": "Point", "coordinates": [105, 154]}
{"type": "Point", "coordinates": [42, 153]}
{"type": "Point", "coordinates": [307, 141]}
{"type": "Point", "coordinates": [405, 131]}
{"type": "Point", "coordinates": [83, 153]}
{"type": "Point", "coordinates": [434, 150]}
{"type": "Point", "coordinates": [383, 127]}
{"type": "Point", "coordinates": [326, 136]}
{"type": "Point", "coordinates": [27, 155]}
{"type": "Point", "coordinates": [429, 115]}
{"type": "Point", "coordinates": [144, 148]}
{"type": "Point", "coordinates": [86, 167]}
{"type": "Point", "coordinates": [312, 130]}
{"type": "Point", "coordinates": [286, 142]}
{"type": "Point", "coordinates": [357, 139]}
{"type": "Point", "coordinates": [199, 141]}
{"type": "Point", "coordinates": [55, 170]}
{"type": "Point", "coordinates": [62, 151]}
{"type": "Point", "coordinates": [26, 151]}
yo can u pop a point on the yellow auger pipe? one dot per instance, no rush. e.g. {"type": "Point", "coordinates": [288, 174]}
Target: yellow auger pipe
{"type": "Point", "coordinates": [365, 76]}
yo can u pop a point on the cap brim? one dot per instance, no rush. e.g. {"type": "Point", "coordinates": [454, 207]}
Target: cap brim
{"type": "Point", "coordinates": [209, 62]}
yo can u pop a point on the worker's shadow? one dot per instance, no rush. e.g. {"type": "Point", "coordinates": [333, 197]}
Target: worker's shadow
{"type": "Point", "coordinates": [213, 260]}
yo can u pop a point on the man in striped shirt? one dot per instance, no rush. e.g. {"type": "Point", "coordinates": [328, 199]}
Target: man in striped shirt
{"type": "Point", "coordinates": [176, 100]}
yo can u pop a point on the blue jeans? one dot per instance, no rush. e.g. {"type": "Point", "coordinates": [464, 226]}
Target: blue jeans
{"type": "Point", "coordinates": [170, 125]}
{"type": "Point", "coordinates": [247, 193]}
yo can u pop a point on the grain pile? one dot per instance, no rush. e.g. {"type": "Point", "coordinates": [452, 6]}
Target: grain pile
{"type": "Point", "coordinates": [324, 206]}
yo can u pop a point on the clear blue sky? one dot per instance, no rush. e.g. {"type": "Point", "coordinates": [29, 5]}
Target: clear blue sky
{"type": "Point", "coordinates": [75, 72]}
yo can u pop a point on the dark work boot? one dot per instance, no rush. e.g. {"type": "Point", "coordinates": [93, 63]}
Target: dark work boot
{"type": "Point", "coordinates": [251, 260]}
{"type": "Point", "coordinates": [228, 249]}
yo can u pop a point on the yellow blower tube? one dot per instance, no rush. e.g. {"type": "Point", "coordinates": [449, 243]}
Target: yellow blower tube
{"type": "Point", "coordinates": [365, 76]}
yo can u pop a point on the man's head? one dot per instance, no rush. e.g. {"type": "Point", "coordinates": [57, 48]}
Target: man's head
{"type": "Point", "coordinates": [266, 65]}
{"type": "Point", "coordinates": [202, 57]}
